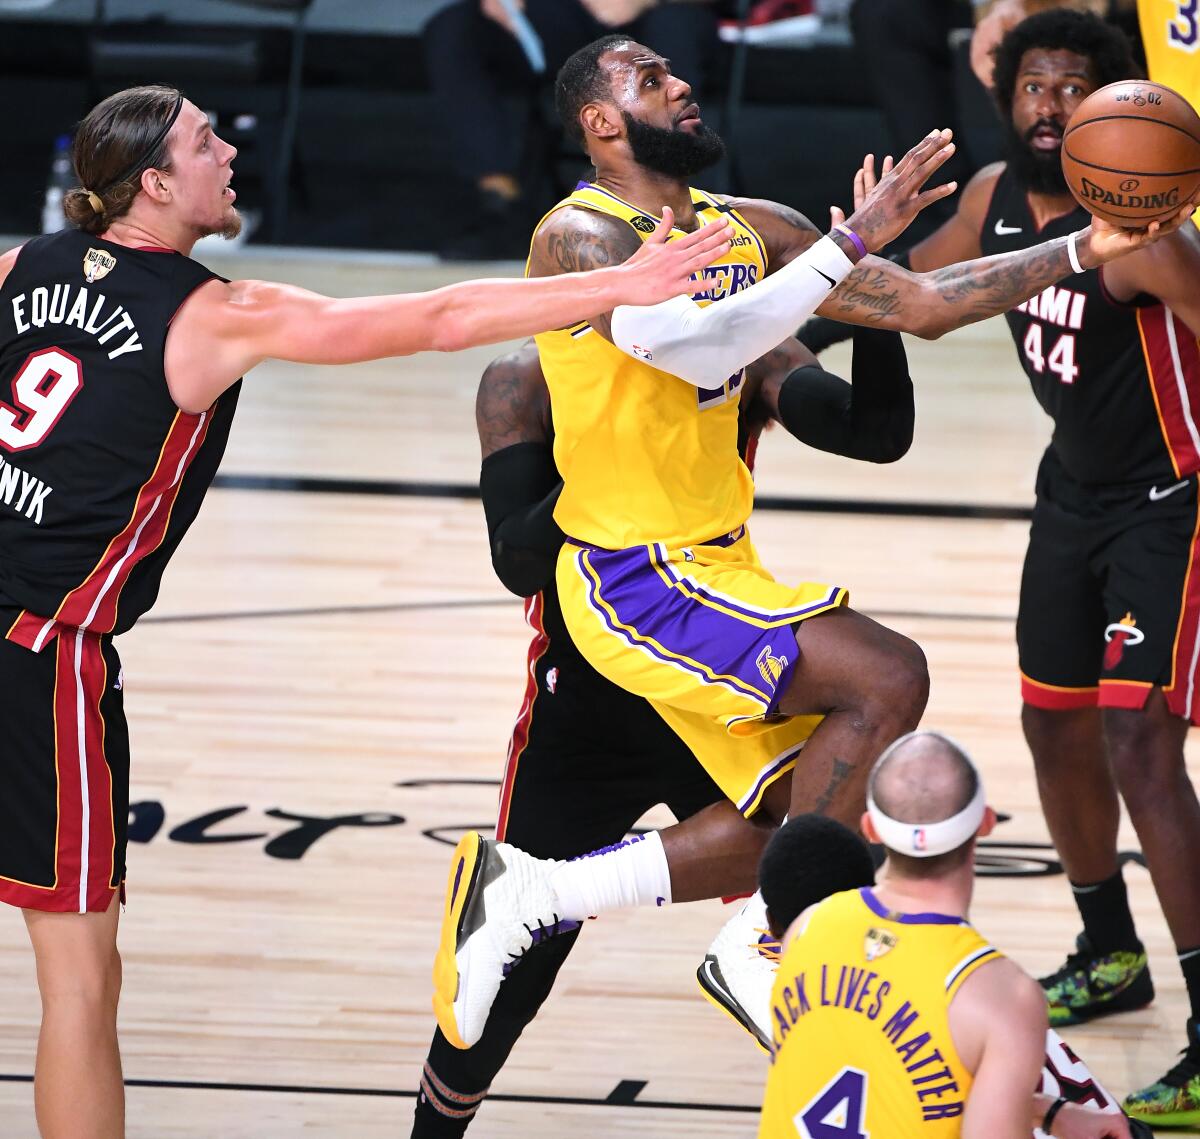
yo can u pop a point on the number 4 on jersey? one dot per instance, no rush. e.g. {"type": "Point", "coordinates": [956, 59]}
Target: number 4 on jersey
{"type": "Point", "coordinates": [1062, 356]}
{"type": "Point", "coordinates": [839, 1109]}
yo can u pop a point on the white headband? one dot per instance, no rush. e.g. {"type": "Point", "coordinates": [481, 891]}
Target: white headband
{"type": "Point", "coordinates": [924, 840]}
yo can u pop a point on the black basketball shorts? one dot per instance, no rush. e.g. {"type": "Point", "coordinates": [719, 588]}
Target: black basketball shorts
{"type": "Point", "coordinates": [1110, 594]}
{"type": "Point", "coordinates": [64, 761]}
{"type": "Point", "coordinates": [587, 759]}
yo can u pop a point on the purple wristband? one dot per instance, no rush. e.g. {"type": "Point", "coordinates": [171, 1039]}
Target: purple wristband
{"type": "Point", "coordinates": [858, 241]}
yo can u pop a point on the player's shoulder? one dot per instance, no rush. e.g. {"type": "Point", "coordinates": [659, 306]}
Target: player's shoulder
{"type": "Point", "coordinates": [573, 238]}
{"type": "Point", "coordinates": [765, 211]}
{"type": "Point", "coordinates": [977, 194]}
{"type": "Point", "coordinates": [7, 260]}
{"type": "Point", "coordinates": [512, 404]}
{"type": "Point", "coordinates": [1002, 991]}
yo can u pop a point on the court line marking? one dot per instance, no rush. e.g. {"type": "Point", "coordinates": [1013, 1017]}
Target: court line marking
{"type": "Point", "coordinates": [621, 1091]}
{"type": "Point", "coordinates": [486, 603]}
{"type": "Point", "coordinates": [407, 488]}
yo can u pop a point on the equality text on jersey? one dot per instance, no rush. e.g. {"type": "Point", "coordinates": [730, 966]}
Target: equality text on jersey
{"type": "Point", "coordinates": [78, 306]}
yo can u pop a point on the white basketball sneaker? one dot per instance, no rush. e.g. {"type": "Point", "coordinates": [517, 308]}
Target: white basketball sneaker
{"type": "Point", "coordinates": [738, 972]}
{"type": "Point", "coordinates": [499, 903]}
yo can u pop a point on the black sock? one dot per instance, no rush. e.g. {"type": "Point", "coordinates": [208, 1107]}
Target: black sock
{"type": "Point", "coordinates": [1189, 962]}
{"type": "Point", "coordinates": [1104, 907]}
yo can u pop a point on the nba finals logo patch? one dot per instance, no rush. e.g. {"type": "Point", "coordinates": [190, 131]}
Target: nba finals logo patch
{"type": "Point", "coordinates": [771, 666]}
{"type": "Point", "coordinates": [1118, 635]}
{"type": "Point", "coordinates": [878, 942]}
{"type": "Point", "coordinates": [97, 264]}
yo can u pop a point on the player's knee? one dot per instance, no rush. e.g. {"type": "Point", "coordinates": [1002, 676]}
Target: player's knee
{"type": "Point", "coordinates": [86, 982]}
{"type": "Point", "coordinates": [900, 684]}
{"type": "Point", "coordinates": [1148, 767]}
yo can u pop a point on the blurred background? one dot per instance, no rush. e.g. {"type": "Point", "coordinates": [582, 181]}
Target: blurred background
{"type": "Point", "coordinates": [427, 125]}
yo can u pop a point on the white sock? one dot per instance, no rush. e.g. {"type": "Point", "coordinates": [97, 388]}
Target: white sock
{"type": "Point", "coordinates": [632, 873]}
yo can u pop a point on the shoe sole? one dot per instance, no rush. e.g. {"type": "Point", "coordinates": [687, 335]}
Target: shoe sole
{"type": "Point", "coordinates": [465, 866]}
{"type": "Point", "coordinates": [1170, 1119]}
{"type": "Point", "coordinates": [716, 992]}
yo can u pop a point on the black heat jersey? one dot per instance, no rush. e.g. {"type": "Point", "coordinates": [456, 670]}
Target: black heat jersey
{"type": "Point", "coordinates": [100, 473]}
{"type": "Point", "coordinates": [1120, 381]}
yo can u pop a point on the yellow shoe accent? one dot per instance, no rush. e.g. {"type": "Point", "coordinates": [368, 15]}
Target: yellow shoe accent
{"type": "Point", "coordinates": [464, 867]}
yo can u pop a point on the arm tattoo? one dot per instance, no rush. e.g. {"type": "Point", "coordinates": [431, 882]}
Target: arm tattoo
{"type": "Point", "coordinates": [979, 289]}
{"type": "Point", "coordinates": [841, 771]}
{"type": "Point", "coordinates": [576, 240]}
{"type": "Point", "coordinates": [576, 252]}
{"type": "Point", "coordinates": [876, 292]}
{"type": "Point", "coordinates": [866, 292]}
{"type": "Point", "coordinates": [509, 407]}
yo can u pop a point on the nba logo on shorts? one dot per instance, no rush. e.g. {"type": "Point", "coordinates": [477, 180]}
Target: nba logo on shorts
{"type": "Point", "coordinates": [918, 838]}
{"type": "Point", "coordinates": [552, 681]}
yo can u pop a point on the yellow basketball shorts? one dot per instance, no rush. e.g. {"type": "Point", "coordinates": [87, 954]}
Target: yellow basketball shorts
{"type": "Point", "coordinates": [705, 634]}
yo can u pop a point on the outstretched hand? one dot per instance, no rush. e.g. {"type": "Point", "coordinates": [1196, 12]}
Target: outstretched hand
{"type": "Point", "coordinates": [663, 269]}
{"type": "Point", "coordinates": [884, 207]}
{"type": "Point", "coordinates": [1102, 241]}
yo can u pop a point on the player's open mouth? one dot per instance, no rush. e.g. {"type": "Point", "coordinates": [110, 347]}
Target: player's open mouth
{"type": "Point", "coordinates": [230, 193]}
{"type": "Point", "coordinates": [1046, 137]}
{"type": "Point", "coordinates": [689, 117]}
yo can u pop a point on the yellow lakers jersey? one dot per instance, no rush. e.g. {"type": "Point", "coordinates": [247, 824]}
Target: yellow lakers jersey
{"type": "Point", "coordinates": [1171, 36]}
{"type": "Point", "coordinates": [645, 456]}
{"type": "Point", "coordinates": [861, 1033]}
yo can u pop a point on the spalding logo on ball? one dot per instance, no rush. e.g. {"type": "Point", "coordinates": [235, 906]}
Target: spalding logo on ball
{"type": "Point", "coordinates": [1131, 153]}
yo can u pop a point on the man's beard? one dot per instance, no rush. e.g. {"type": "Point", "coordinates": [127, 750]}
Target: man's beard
{"type": "Point", "coordinates": [1040, 172]}
{"type": "Point", "coordinates": [230, 227]}
{"type": "Point", "coordinates": [675, 153]}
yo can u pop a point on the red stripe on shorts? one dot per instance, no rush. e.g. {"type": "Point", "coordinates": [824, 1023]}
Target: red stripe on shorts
{"type": "Point", "coordinates": [520, 736]}
{"type": "Point", "coordinates": [1185, 657]}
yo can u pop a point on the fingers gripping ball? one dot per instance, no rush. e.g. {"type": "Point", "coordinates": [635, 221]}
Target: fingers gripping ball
{"type": "Point", "coordinates": [1131, 153]}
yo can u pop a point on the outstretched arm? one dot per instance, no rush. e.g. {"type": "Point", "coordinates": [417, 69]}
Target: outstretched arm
{"type": "Point", "coordinates": [877, 292]}
{"type": "Point", "coordinates": [224, 330]}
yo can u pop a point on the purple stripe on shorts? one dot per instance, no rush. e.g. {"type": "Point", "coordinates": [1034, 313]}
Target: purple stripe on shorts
{"type": "Point", "coordinates": [766, 777]}
{"type": "Point", "coordinates": [781, 615]}
{"type": "Point", "coordinates": [716, 642]}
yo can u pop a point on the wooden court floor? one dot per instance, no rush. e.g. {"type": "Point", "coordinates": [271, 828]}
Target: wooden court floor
{"type": "Point", "coordinates": [320, 704]}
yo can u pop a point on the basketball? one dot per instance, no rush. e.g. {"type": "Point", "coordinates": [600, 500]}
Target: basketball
{"type": "Point", "coordinates": [1131, 153]}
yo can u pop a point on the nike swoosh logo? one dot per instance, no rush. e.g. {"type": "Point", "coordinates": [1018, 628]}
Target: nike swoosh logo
{"type": "Point", "coordinates": [827, 277]}
{"type": "Point", "coordinates": [1156, 494]}
{"type": "Point", "coordinates": [1002, 229]}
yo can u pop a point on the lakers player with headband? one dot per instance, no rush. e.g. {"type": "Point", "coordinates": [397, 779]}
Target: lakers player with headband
{"type": "Point", "coordinates": [888, 1005]}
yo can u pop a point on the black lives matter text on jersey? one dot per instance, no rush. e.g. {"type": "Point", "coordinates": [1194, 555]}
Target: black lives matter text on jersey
{"type": "Point", "coordinates": [75, 305]}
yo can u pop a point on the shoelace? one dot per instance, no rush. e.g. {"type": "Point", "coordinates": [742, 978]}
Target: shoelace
{"type": "Point", "coordinates": [768, 948]}
{"type": "Point", "coordinates": [544, 931]}
{"type": "Point", "coordinates": [1075, 963]}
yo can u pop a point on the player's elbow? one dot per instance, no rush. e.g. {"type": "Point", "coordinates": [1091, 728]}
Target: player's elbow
{"type": "Point", "coordinates": [450, 331]}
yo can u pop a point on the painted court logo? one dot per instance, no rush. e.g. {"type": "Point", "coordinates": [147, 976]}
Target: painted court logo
{"type": "Point", "coordinates": [878, 942]}
{"type": "Point", "coordinates": [1118, 635]}
{"type": "Point", "coordinates": [96, 264]}
{"type": "Point", "coordinates": [771, 666]}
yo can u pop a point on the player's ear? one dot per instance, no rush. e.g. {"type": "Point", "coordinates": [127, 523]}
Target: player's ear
{"type": "Point", "coordinates": [600, 120]}
{"type": "Point", "coordinates": [988, 825]}
{"type": "Point", "coordinates": [868, 828]}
